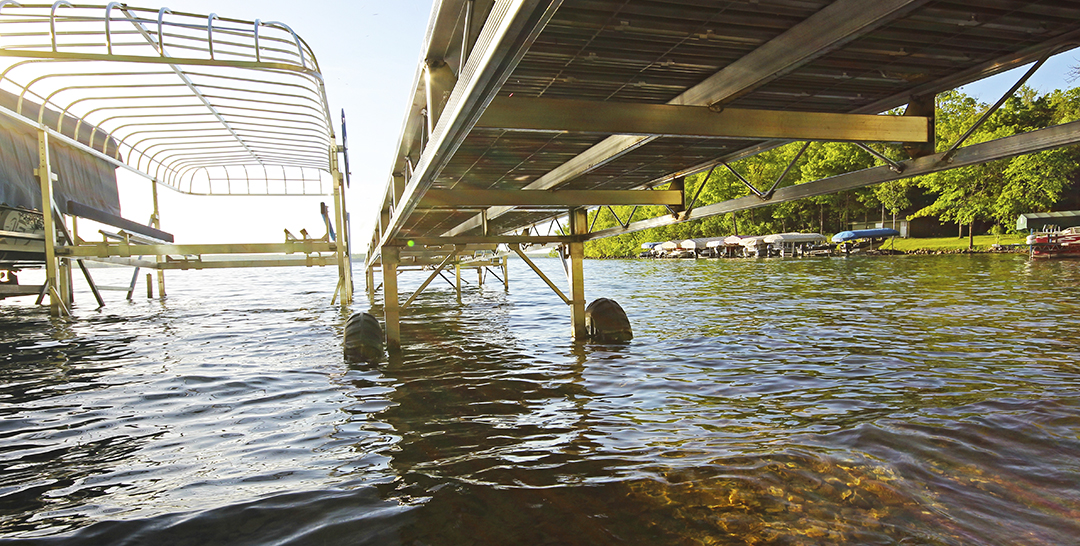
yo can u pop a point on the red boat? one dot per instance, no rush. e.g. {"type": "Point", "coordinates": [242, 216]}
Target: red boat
{"type": "Point", "coordinates": [1055, 244]}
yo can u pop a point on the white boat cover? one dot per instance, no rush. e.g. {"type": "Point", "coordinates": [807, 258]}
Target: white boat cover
{"type": "Point", "coordinates": [752, 241]}
{"type": "Point", "coordinates": [795, 238]}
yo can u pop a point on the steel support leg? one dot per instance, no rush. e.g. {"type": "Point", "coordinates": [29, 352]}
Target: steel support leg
{"type": "Point", "coordinates": [65, 281]}
{"type": "Point", "coordinates": [44, 173]}
{"type": "Point", "coordinates": [578, 226]}
{"type": "Point", "coordinates": [342, 242]}
{"type": "Point", "coordinates": [391, 305]}
{"type": "Point", "coordinates": [369, 284]}
{"type": "Point", "coordinates": [457, 281]}
{"type": "Point", "coordinates": [156, 222]}
{"type": "Point", "coordinates": [506, 272]}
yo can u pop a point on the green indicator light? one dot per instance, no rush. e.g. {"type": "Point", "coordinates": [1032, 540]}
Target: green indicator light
{"type": "Point", "coordinates": [411, 244]}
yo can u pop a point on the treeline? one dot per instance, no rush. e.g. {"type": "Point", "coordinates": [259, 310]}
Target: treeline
{"type": "Point", "coordinates": [993, 193]}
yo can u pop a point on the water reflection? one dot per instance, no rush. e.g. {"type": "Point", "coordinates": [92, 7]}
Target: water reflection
{"type": "Point", "coordinates": [49, 466]}
{"type": "Point", "coordinates": [777, 426]}
{"type": "Point", "coordinates": [927, 400]}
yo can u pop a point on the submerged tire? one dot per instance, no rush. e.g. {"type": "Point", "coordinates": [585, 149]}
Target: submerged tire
{"type": "Point", "coordinates": [606, 321]}
{"type": "Point", "coordinates": [363, 338]}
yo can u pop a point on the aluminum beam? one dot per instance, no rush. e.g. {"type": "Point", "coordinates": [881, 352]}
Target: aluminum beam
{"type": "Point", "coordinates": [184, 265]}
{"type": "Point", "coordinates": [1003, 148]}
{"type": "Point", "coordinates": [497, 239]}
{"type": "Point", "coordinates": [583, 116]}
{"type": "Point", "coordinates": [105, 250]}
{"type": "Point", "coordinates": [507, 35]}
{"type": "Point", "coordinates": [835, 25]}
{"type": "Point", "coordinates": [531, 198]}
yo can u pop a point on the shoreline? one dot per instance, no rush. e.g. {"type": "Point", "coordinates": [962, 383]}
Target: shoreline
{"type": "Point", "coordinates": [875, 253]}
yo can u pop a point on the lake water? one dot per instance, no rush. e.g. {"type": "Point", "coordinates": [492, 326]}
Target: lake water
{"type": "Point", "coordinates": [890, 400]}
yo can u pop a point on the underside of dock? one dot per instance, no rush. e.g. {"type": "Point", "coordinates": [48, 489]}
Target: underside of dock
{"type": "Point", "coordinates": [525, 111]}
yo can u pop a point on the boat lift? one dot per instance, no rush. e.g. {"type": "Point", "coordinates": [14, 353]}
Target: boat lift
{"type": "Point", "coordinates": [199, 104]}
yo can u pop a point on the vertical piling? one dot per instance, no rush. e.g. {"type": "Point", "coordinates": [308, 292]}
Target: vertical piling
{"type": "Point", "coordinates": [506, 272]}
{"type": "Point", "coordinates": [578, 226]}
{"type": "Point", "coordinates": [457, 280]}
{"type": "Point", "coordinates": [342, 240]}
{"type": "Point", "coordinates": [44, 173]}
{"type": "Point", "coordinates": [391, 304]}
{"type": "Point", "coordinates": [65, 282]}
{"type": "Point", "coordinates": [155, 221]}
{"type": "Point", "coordinates": [369, 283]}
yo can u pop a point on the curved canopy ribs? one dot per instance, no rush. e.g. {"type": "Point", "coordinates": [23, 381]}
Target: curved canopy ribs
{"type": "Point", "coordinates": [203, 104]}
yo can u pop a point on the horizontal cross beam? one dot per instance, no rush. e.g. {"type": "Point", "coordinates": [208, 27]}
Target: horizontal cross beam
{"type": "Point", "coordinates": [491, 239]}
{"type": "Point", "coordinates": [106, 249]}
{"type": "Point", "coordinates": [534, 198]}
{"type": "Point", "coordinates": [184, 265]}
{"type": "Point", "coordinates": [615, 118]}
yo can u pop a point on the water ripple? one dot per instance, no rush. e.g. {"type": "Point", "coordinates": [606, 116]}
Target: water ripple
{"type": "Point", "coordinates": [929, 400]}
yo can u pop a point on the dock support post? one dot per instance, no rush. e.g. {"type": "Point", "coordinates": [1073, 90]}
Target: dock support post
{"type": "Point", "coordinates": [457, 281]}
{"type": "Point", "coordinates": [579, 225]}
{"type": "Point", "coordinates": [65, 281]}
{"type": "Point", "coordinates": [506, 272]}
{"type": "Point", "coordinates": [391, 305]}
{"type": "Point", "coordinates": [155, 221]}
{"type": "Point", "coordinates": [369, 284]}
{"type": "Point", "coordinates": [52, 274]}
{"type": "Point", "coordinates": [343, 252]}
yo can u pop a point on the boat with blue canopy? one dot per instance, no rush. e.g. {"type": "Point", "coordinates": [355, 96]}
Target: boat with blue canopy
{"type": "Point", "coordinates": [852, 235]}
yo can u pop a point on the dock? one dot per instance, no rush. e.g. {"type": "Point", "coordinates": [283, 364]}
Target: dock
{"type": "Point", "coordinates": [526, 114]}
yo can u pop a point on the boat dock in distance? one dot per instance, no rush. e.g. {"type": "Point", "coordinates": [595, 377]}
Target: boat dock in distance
{"type": "Point", "coordinates": [777, 245]}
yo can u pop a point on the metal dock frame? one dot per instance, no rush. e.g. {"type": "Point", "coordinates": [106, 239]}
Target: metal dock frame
{"type": "Point", "coordinates": [525, 111]}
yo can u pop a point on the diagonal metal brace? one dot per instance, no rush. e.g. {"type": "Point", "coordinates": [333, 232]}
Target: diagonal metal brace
{"type": "Point", "coordinates": [893, 165]}
{"type": "Point", "coordinates": [753, 189]}
{"type": "Point", "coordinates": [704, 181]}
{"type": "Point", "coordinates": [517, 250]}
{"type": "Point", "coordinates": [947, 156]}
{"type": "Point", "coordinates": [620, 220]}
{"type": "Point", "coordinates": [768, 195]}
{"type": "Point", "coordinates": [449, 258]}
{"type": "Point", "coordinates": [765, 196]}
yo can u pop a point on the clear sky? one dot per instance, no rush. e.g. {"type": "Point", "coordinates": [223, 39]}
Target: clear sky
{"type": "Point", "coordinates": [368, 51]}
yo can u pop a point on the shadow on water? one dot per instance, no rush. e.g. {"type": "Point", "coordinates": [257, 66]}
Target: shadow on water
{"type": "Point", "coordinates": [294, 519]}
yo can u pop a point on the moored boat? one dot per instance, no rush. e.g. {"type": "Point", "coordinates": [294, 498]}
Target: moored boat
{"type": "Point", "coordinates": [22, 245]}
{"type": "Point", "coordinates": [862, 240]}
{"type": "Point", "coordinates": [794, 244]}
{"type": "Point", "coordinates": [1055, 244]}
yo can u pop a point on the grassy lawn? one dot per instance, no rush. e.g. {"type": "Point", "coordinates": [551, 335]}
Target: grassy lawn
{"type": "Point", "coordinates": [982, 242]}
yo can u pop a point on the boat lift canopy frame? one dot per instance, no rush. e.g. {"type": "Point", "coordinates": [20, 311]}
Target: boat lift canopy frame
{"type": "Point", "coordinates": [201, 104]}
